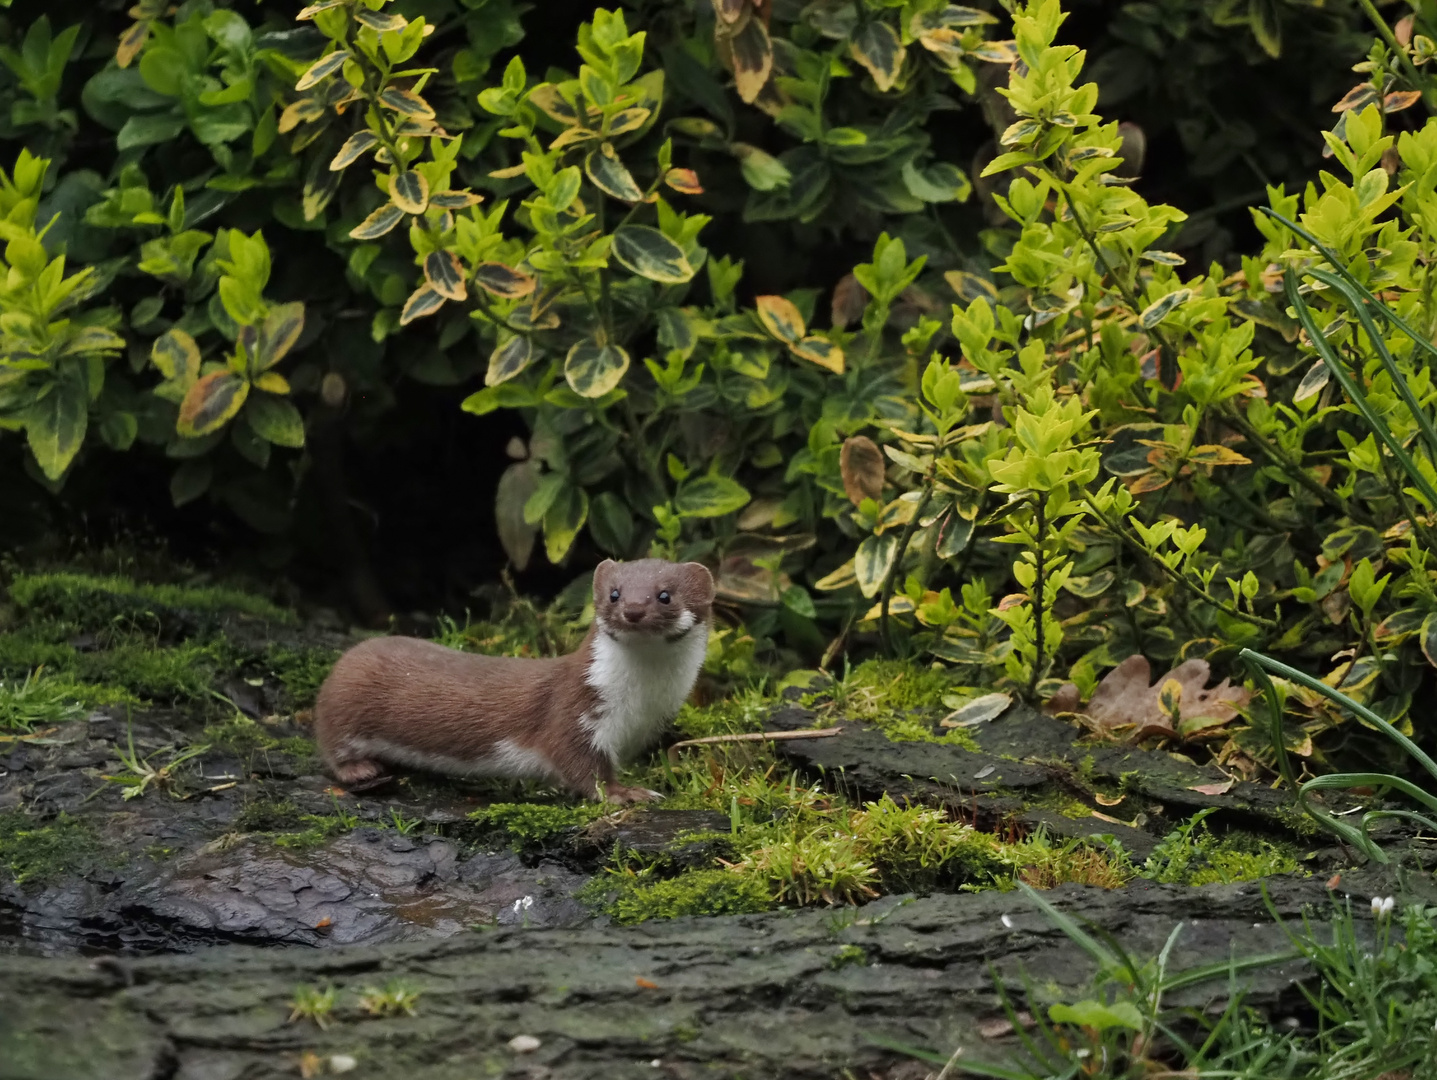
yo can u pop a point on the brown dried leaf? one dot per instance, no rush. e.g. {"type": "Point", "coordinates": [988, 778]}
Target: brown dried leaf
{"type": "Point", "coordinates": [1127, 698]}
{"type": "Point", "coordinates": [861, 463]}
{"type": "Point", "coordinates": [849, 301]}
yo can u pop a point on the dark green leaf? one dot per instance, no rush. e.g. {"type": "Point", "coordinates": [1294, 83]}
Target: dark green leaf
{"type": "Point", "coordinates": [611, 524]}
{"type": "Point", "coordinates": [357, 144]}
{"type": "Point", "coordinates": [609, 175]}
{"type": "Point", "coordinates": [651, 254]}
{"type": "Point", "coordinates": [424, 301]}
{"type": "Point", "coordinates": [877, 48]}
{"type": "Point", "coordinates": [191, 480]}
{"type": "Point", "coordinates": [445, 275]}
{"type": "Point", "coordinates": [410, 192]}
{"type": "Point", "coordinates": [322, 69]}
{"type": "Point", "coordinates": [378, 223]}
{"type": "Point", "coordinates": [406, 102]}
{"type": "Point", "coordinates": [503, 281]}
{"type": "Point", "coordinates": [508, 360]}
{"type": "Point", "coordinates": [592, 370]}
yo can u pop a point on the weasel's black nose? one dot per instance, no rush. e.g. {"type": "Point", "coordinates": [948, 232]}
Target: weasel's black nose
{"type": "Point", "coordinates": [634, 612]}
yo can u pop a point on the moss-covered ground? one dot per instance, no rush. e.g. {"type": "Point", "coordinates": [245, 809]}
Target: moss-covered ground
{"type": "Point", "coordinates": [231, 673]}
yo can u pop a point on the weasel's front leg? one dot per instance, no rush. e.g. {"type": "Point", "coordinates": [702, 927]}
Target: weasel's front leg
{"type": "Point", "coordinates": [594, 779]}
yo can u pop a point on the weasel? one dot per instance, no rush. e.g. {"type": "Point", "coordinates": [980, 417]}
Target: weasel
{"type": "Point", "coordinates": [396, 701]}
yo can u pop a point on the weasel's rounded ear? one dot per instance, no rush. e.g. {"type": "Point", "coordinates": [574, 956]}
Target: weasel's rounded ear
{"type": "Point", "coordinates": [702, 581]}
{"type": "Point", "coordinates": [601, 573]}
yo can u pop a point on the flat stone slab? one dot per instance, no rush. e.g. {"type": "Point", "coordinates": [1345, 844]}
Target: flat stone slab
{"type": "Point", "coordinates": [789, 995]}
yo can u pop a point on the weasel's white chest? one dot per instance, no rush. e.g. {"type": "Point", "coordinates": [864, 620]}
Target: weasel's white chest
{"type": "Point", "coordinates": [641, 685]}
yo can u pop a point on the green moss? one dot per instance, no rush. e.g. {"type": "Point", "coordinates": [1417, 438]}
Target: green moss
{"type": "Point", "coordinates": [245, 737]}
{"type": "Point", "coordinates": [268, 815]}
{"type": "Point", "coordinates": [848, 954]}
{"type": "Point", "coordinates": [132, 671]}
{"type": "Point", "coordinates": [93, 603]}
{"type": "Point", "coordinates": [302, 670]}
{"type": "Point", "coordinates": [630, 899]}
{"type": "Point", "coordinates": [744, 712]}
{"type": "Point", "coordinates": [318, 828]}
{"type": "Point", "coordinates": [534, 824]}
{"type": "Point", "coordinates": [899, 697]}
{"type": "Point", "coordinates": [39, 853]}
{"type": "Point", "coordinates": [1192, 855]}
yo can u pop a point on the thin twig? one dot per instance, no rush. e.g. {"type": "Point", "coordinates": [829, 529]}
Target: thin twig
{"type": "Point", "coordinates": [752, 736]}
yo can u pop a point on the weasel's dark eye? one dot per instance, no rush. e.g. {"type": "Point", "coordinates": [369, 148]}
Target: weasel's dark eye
{"type": "Point", "coordinates": [664, 597]}
{"type": "Point", "coordinates": [613, 596]}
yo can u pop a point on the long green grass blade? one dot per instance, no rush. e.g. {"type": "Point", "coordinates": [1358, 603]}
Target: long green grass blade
{"type": "Point", "coordinates": [1360, 307]}
{"type": "Point", "coordinates": [1360, 711]}
{"type": "Point", "coordinates": [1337, 264]}
{"type": "Point", "coordinates": [1354, 392]}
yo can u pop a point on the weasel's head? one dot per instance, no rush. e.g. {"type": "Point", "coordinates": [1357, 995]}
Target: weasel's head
{"type": "Point", "coordinates": [652, 597]}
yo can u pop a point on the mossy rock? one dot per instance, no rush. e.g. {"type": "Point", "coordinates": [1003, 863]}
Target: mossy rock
{"type": "Point", "coordinates": [633, 899]}
{"type": "Point", "coordinates": [91, 603]}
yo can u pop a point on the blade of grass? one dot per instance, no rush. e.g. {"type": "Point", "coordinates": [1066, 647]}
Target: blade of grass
{"type": "Point", "coordinates": [1354, 392]}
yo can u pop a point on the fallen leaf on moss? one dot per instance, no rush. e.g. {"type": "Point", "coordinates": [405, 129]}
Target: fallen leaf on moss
{"type": "Point", "coordinates": [1128, 698]}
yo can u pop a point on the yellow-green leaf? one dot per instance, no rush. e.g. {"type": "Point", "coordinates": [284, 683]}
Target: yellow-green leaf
{"type": "Point", "coordinates": [379, 21]}
{"type": "Point", "coordinates": [322, 69]}
{"type": "Point", "coordinates": [563, 520]}
{"type": "Point", "coordinates": [781, 318]}
{"type": "Point", "coordinates": [410, 192]}
{"type": "Point", "coordinates": [1217, 455]}
{"type": "Point", "coordinates": [272, 382]}
{"type": "Point", "coordinates": [92, 339]}
{"type": "Point", "coordinates": [874, 559]}
{"type": "Point", "coordinates": [609, 175]}
{"type": "Point", "coordinates": [280, 330]}
{"type": "Point", "coordinates": [877, 48]}
{"type": "Point", "coordinates": [752, 59]}
{"type": "Point", "coordinates": [378, 223]}
{"type": "Point", "coordinates": [546, 98]}
{"type": "Point", "coordinates": [55, 425]}
{"type": "Point", "coordinates": [455, 200]}
{"type": "Point", "coordinates": [651, 254]}
{"type": "Point", "coordinates": [177, 355]}
{"type": "Point", "coordinates": [509, 359]}
{"type": "Point", "coordinates": [592, 370]}
{"type": "Point", "coordinates": [1313, 382]}
{"type": "Point", "coordinates": [684, 181]}
{"type": "Point", "coordinates": [357, 144]}
{"type": "Point", "coordinates": [841, 578]}
{"type": "Point", "coordinates": [406, 102]}
{"type": "Point", "coordinates": [303, 111]}
{"type": "Point", "coordinates": [423, 301]}
{"type": "Point", "coordinates": [820, 351]}
{"type": "Point", "coordinates": [503, 281]}
{"type": "Point", "coordinates": [710, 496]}
{"type": "Point", "coordinates": [210, 403]}
{"type": "Point", "coordinates": [132, 41]}
{"type": "Point", "coordinates": [275, 420]}
{"type": "Point", "coordinates": [314, 9]}
{"type": "Point", "coordinates": [1160, 309]}
{"type": "Point", "coordinates": [445, 275]}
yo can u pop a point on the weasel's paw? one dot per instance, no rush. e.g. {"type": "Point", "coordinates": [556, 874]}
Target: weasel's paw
{"type": "Point", "coordinates": [625, 796]}
{"type": "Point", "coordinates": [354, 773]}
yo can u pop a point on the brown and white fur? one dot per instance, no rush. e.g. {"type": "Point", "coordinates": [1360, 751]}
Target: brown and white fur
{"type": "Point", "coordinates": [574, 720]}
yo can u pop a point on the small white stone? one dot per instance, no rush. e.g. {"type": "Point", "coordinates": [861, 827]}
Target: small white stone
{"type": "Point", "coordinates": [1008, 921]}
{"type": "Point", "coordinates": [523, 1044]}
{"type": "Point", "coordinates": [342, 1063]}
{"type": "Point", "coordinates": [657, 1063]}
